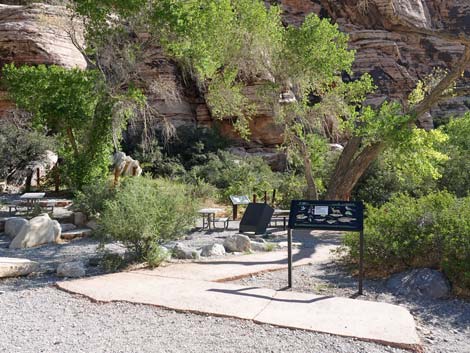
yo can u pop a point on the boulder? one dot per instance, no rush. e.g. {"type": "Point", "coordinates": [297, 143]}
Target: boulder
{"type": "Point", "coordinates": [79, 219]}
{"type": "Point", "coordinates": [14, 225]}
{"type": "Point", "coordinates": [92, 224]}
{"type": "Point", "coordinates": [181, 251]}
{"type": "Point", "coordinates": [213, 250]}
{"type": "Point", "coordinates": [39, 230]}
{"type": "Point", "coordinates": [422, 282]}
{"type": "Point", "coordinates": [237, 243]}
{"type": "Point", "coordinates": [71, 269]}
{"type": "Point", "coordinates": [13, 267]}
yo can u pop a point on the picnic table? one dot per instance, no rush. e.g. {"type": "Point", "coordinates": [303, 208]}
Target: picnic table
{"type": "Point", "coordinates": [28, 201]}
{"type": "Point", "coordinates": [280, 215]}
{"type": "Point", "coordinates": [208, 217]}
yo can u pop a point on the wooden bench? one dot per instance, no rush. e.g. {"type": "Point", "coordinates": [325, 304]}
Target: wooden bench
{"type": "Point", "coordinates": [224, 220]}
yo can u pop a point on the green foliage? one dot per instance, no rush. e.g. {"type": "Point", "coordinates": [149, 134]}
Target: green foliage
{"type": "Point", "coordinates": [455, 175]}
{"type": "Point", "coordinates": [291, 187]}
{"type": "Point", "coordinates": [146, 212]}
{"type": "Point", "coordinates": [74, 105]}
{"type": "Point", "coordinates": [234, 175]}
{"type": "Point", "coordinates": [19, 146]}
{"type": "Point", "coordinates": [91, 199]}
{"type": "Point", "coordinates": [411, 165]}
{"type": "Point", "coordinates": [188, 148]}
{"type": "Point", "coordinates": [431, 231]}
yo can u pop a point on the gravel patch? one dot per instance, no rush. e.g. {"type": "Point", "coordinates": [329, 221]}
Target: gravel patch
{"type": "Point", "coordinates": [48, 320]}
{"type": "Point", "coordinates": [443, 325]}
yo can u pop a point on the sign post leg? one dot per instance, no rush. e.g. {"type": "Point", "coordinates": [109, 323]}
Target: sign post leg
{"type": "Point", "coordinates": [361, 261]}
{"type": "Point", "coordinates": [289, 258]}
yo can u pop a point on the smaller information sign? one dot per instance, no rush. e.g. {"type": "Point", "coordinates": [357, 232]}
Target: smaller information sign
{"type": "Point", "coordinates": [326, 215]}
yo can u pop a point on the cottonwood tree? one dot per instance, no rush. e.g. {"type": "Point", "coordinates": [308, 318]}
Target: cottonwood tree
{"type": "Point", "coordinates": [226, 45]}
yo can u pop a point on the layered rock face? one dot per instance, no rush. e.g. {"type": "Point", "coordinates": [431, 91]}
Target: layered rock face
{"type": "Point", "coordinates": [382, 31]}
{"type": "Point", "coordinates": [37, 34]}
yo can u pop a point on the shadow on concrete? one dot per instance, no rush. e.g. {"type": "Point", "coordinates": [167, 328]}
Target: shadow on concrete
{"type": "Point", "coordinates": [242, 292]}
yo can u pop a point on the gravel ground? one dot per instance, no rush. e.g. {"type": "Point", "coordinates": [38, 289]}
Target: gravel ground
{"type": "Point", "coordinates": [37, 317]}
{"type": "Point", "coordinates": [45, 319]}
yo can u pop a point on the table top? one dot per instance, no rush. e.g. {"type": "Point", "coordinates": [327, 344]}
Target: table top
{"type": "Point", "coordinates": [33, 195]}
{"type": "Point", "coordinates": [210, 210]}
{"type": "Point", "coordinates": [281, 212]}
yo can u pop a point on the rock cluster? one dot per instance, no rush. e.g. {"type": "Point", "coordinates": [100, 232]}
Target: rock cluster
{"type": "Point", "coordinates": [37, 231]}
{"type": "Point", "coordinates": [421, 282]}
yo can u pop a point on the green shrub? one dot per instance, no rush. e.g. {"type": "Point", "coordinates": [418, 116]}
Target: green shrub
{"type": "Point", "coordinates": [146, 212]}
{"type": "Point", "coordinates": [431, 231]}
{"type": "Point", "coordinates": [234, 175]}
{"type": "Point", "coordinates": [92, 197]}
{"type": "Point", "coordinates": [456, 177]}
{"type": "Point", "coordinates": [290, 187]}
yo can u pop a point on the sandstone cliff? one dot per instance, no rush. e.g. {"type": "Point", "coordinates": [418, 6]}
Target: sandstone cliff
{"type": "Point", "coordinates": [380, 30]}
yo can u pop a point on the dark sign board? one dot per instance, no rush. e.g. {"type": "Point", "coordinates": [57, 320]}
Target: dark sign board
{"type": "Point", "coordinates": [239, 199]}
{"type": "Point", "coordinates": [327, 215]}
{"type": "Point", "coordinates": [256, 218]}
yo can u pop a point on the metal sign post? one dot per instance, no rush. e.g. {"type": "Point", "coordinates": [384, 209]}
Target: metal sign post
{"type": "Point", "coordinates": [327, 215]}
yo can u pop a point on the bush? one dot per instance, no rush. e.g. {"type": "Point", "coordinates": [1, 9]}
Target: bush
{"type": "Point", "coordinates": [455, 175]}
{"type": "Point", "coordinates": [234, 175]}
{"type": "Point", "coordinates": [431, 231]}
{"type": "Point", "coordinates": [19, 146]}
{"type": "Point", "coordinates": [146, 212]}
{"type": "Point", "coordinates": [92, 198]}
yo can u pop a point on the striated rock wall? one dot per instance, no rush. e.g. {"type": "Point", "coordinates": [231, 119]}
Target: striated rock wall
{"type": "Point", "coordinates": [382, 32]}
{"type": "Point", "coordinates": [37, 34]}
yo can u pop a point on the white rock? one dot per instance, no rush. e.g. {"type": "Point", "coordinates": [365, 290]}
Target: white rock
{"type": "Point", "coordinates": [237, 243]}
{"type": "Point", "coordinates": [257, 246]}
{"type": "Point", "coordinates": [39, 230]}
{"type": "Point", "coordinates": [181, 251]}
{"type": "Point", "coordinates": [213, 250]}
{"type": "Point", "coordinates": [13, 267]}
{"type": "Point", "coordinates": [13, 226]}
{"type": "Point", "coordinates": [71, 269]}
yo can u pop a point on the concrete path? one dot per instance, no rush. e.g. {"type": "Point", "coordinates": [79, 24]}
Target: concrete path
{"type": "Point", "coordinates": [232, 267]}
{"type": "Point", "coordinates": [196, 287]}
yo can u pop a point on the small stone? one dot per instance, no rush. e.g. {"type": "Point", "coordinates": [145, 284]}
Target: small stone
{"type": "Point", "coordinates": [237, 243]}
{"type": "Point", "coordinates": [258, 246]}
{"type": "Point", "coordinates": [79, 219]}
{"type": "Point", "coordinates": [213, 250]}
{"type": "Point", "coordinates": [422, 282]}
{"type": "Point", "coordinates": [71, 269]}
{"type": "Point", "coordinates": [181, 251]}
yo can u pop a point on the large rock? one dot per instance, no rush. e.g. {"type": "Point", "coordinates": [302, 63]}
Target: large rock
{"type": "Point", "coordinates": [13, 267]}
{"type": "Point", "coordinates": [14, 225]}
{"type": "Point", "coordinates": [181, 251]}
{"type": "Point", "coordinates": [39, 230]}
{"type": "Point", "coordinates": [213, 250]}
{"type": "Point", "coordinates": [237, 243]}
{"type": "Point", "coordinates": [423, 282]}
{"type": "Point", "coordinates": [71, 269]}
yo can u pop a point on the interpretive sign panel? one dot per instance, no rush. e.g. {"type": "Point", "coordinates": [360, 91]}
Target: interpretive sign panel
{"type": "Point", "coordinates": [327, 215]}
{"type": "Point", "coordinates": [239, 200]}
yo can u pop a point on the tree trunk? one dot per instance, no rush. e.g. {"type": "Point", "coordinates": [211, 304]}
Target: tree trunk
{"type": "Point", "coordinates": [347, 175]}
{"type": "Point", "coordinates": [312, 193]}
{"type": "Point", "coordinates": [72, 140]}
